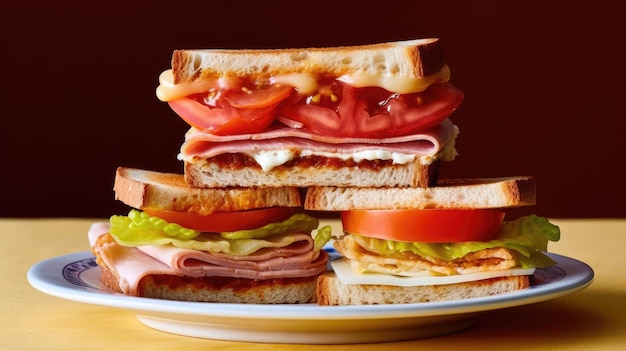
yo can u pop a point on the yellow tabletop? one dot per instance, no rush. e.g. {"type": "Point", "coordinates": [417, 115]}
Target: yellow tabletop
{"type": "Point", "coordinates": [591, 319]}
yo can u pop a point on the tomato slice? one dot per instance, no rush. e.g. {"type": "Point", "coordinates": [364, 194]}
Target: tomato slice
{"type": "Point", "coordinates": [231, 112]}
{"type": "Point", "coordinates": [390, 115]}
{"type": "Point", "coordinates": [428, 226]}
{"type": "Point", "coordinates": [224, 221]}
{"type": "Point", "coordinates": [259, 97]}
{"type": "Point", "coordinates": [224, 120]}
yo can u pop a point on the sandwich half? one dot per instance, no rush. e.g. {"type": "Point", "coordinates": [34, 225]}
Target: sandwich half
{"type": "Point", "coordinates": [446, 242]}
{"type": "Point", "coordinates": [229, 245]}
{"type": "Point", "coordinates": [368, 116]}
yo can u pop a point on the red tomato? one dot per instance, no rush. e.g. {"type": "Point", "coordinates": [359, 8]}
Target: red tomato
{"type": "Point", "coordinates": [259, 97]}
{"type": "Point", "coordinates": [224, 120]}
{"type": "Point", "coordinates": [224, 221]}
{"type": "Point", "coordinates": [374, 112]}
{"type": "Point", "coordinates": [232, 111]}
{"type": "Point", "coordinates": [428, 226]}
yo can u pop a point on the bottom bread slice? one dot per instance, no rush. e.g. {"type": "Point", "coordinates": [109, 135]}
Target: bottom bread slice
{"type": "Point", "coordinates": [319, 171]}
{"type": "Point", "coordinates": [331, 291]}
{"type": "Point", "coordinates": [220, 289]}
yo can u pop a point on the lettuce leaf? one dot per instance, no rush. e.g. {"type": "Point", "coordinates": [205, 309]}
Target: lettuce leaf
{"type": "Point", "coordinates": [140, 226]}
{"type": "Point", "coordinates": [298, 222]}
{"type": "Point", "coordinates": [322, 236]}
{"type": "Point", "coordinates": [528, 236]}
{"type": "Point", "coordinates": [138, 229]}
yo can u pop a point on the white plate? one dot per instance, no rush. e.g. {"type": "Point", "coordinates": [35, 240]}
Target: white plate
{"type": "Point", "coordinates": [76, 277]}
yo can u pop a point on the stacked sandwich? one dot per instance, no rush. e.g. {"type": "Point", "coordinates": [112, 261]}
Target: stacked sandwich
{"type": "Point", "coordinates": [363, 130]}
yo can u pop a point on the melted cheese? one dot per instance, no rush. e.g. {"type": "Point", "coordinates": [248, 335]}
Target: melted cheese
{"type": "Point", "coordinates": [347, 275]}
{"type": "Point", "coordinates": [168, 91]}
{"type": "Point", "coordinates": [402, 85]}
{"type": "Point", "coordinates": [304, 83]}
{"type": "Point", "coordinates": [370, 155]}
{"type": "Point", "coordinates": [270, 159]}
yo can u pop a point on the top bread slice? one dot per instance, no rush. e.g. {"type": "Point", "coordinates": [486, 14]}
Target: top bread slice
{"type": "Point", "coordinates": [142, 189]}
{"type": "Point", "coordinates": [410, 58]}
{"type": "Point", "coordinates": [447, 194]}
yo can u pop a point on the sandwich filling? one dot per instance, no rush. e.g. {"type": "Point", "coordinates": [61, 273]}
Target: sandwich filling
{"type": "Point", "coordinates": [305, 83]}
{"type": "Point", "coordinates": [333, 106]}
{"type": "Point", "coordinates": [275, 251]}
{"type": "Point", "coordinates": [517, 250]}
{"type": "Point", "coordinates": [281, 145]}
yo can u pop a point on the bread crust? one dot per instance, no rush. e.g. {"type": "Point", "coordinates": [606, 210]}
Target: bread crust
{"type": "Point", "coordinates": [332, 292]}
{"type": "Point", "coordinates": [213, 174]}
{"type": "Point", "coordinates": [411, 58]}
{"type": "Point", "coordinates": [449, 193]}
{"type": "Point", "coordinates": [167, 191]}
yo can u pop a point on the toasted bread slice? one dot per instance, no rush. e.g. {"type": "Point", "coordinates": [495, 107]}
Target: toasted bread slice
{"type": "Point", "coordinates": [331, 291]}
{"type": "Point", "coordinates": [219, 289]}
{"type": "Point", "coordinates": [409, 59]}
{"type": "Point", "coordinates": [167, 191]}
{"type": "Point", "coordinates": [302, 173]}
{"type": "Point", "coordinates": [448, 193]}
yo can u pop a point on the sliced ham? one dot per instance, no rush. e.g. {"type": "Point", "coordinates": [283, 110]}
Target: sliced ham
{"type": "Point", "coordinates": [202, 145]}
{"type": "Point", "coordinates": [297, 259]}
{"type": "Point", "coordinates": [131, 264]}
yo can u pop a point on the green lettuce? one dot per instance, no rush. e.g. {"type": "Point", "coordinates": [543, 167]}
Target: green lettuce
{"type": "Point", "coordinates": [298, 222]}
{"type": "Point", "coordinates": [528, 236]}
{"type": "Point", "coordinates": [322, 236]}
{"type": "Point", "coordinates": [138, 228]}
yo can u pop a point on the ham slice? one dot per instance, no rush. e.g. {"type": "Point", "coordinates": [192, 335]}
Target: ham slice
{"type": "Point", "coordinates": [128, 263]}
{"type": "Point", "coordinates": [296, 260]}
{"type": "Point", "coordinates": [203, 145]}
{"type": "Point", "coordinates": [131, 264]}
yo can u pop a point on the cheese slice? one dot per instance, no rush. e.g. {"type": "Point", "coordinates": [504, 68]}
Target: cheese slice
{"type": "Point", "coordinates": [347, 275]}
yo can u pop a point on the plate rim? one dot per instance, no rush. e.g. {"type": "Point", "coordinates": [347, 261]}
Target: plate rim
{"type": "Point", "coordinates": [577, 276]}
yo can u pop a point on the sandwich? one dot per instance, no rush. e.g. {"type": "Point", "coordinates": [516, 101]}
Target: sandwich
{"type": "Point", "coordinates": [446, 242]}
{"type": "Point", "coordinates": [228, 245]}
{"type": "Point", "coordinates": [368, 116]}
{"type": "Point", "coordinates": [363, 130]}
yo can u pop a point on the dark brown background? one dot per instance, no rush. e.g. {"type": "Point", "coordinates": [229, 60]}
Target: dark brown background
{"type": "Point", "coordinates": [544, 85]}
